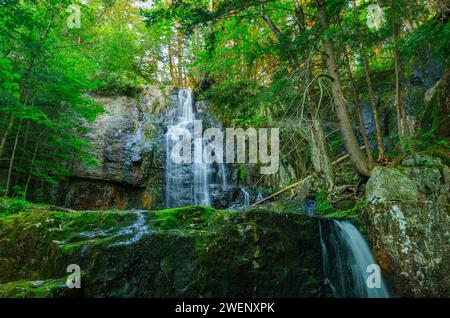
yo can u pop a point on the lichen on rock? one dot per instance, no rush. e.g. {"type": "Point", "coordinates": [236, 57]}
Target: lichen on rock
{"type": "Point", "coordinates": [408, 224]}
{"type": "Point", "coordinates": [390, 184]}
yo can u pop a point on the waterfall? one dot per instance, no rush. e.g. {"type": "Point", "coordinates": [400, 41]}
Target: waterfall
{"type": "Point", "coordinates": [246, 197]}
{"type": "Point", "coordinates": [201, 176]}
{"type": "Point", "coordinates": [346, 260]}
{"type": "Point", "coordinates": [223, 175]}
{"type": "Point", "coordinates": [189, 183]}
{"type": "Point", "coordinates": [259, 197]}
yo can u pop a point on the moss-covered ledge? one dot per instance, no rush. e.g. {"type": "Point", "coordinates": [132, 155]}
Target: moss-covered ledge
{"type": "Point", "coordinates": [184, 252]}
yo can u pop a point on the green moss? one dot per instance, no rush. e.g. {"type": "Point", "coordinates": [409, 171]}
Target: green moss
{"type": "Point", "coordinates": [31, 289]}
{"type": "Point", "coordinates": [37, 243]}
{"type": "Point", "coordinates": [14, 205]}
{"type": "Point", "coordinates": [81, 225]}
{"type": "Point", "coordinates": [236, 255]}
{"type": "Point", "coordinates": [326, 209]}
{"type": "Point", "coordinates": [190, 218]}
{"type": "Point", "coordinates": [184, 252]}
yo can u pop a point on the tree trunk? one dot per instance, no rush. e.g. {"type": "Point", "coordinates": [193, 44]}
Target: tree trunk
{"type": "Point", "coordinates": [317, 133]}
{"type": "Point", "coordinates": [18, 177]}
{"type": "Point", "coordinates": [172, 71]}
{"type": "Point", "coordinates": [173, 74]}
{"type": "Point", "coordinates": [320, 154]}
{"type": "Point", "coordinates": [11, 162]}
{"type": "Point", "coordinates": [269, 22]}
{"type": "Point", "coordinates": [362, 124]}
{"type": "Point", "coordinates": [180, 58]}
{"type": "Point", "coordinates": [402, 121]}
{"type": "Point", "coordinates": [357, 157]}
{"type": "Point", "coordinates": [373, 103]}
{"type": "Point", "coordinates": [25, 190]}
{"type": "Point", "coordinates": [300, 14]}
{"type": "Point", "coordinates": [6, 134]}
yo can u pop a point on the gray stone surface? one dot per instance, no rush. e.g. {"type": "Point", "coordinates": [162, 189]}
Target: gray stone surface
{"type": "Point", "coordinates": [126, 141]}
{"type": "Point", "coordinates": [411, 242]}
{"type": "Point", "coordinates": [390, 184]}
{"type": "Point", "coordinates": [408, 225]}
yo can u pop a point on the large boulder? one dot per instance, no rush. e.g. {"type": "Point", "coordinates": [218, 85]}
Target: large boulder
{"type": "Point", "coordinates": [411, 242]}
{"type": "Point", "coordinates": [408, 225]}
{"type": "Point", "coordinates": [390, 184]}
{"type": "Point", "coordinates": [184, 252]}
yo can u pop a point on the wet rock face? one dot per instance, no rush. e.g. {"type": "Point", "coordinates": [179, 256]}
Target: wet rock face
{"type": "Point", "coordinates": [125, 141]}
{"type": "Point", "coordinates": [184, 252]}
{"type": "Point", "coordinates": [224, 197]}
{"type": "Point", "coordinates": [410, 229]}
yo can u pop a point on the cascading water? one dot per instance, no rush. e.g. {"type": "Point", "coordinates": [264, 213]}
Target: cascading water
{"type": "Point", "coordinates": [246, 197]}
{"type": "Point", "coordinates": [346, 260]}
{"type": "Point", "coordinates": [189, 183]}
{"type": "Point", "coordinates": [346, 255]}
{"type": "Point", "coordinates": [259, 197]}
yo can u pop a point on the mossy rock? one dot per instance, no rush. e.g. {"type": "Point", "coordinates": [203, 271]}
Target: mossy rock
{"type": "Point", "coordinates": [37, 289]}
{"type": "Point", "coordinates": [184, 252]}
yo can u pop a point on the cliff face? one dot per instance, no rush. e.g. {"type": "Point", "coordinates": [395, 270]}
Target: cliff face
{"type": "Point", "coordinates": [126, 142]}
{"type": "Point", "coordinates": [408, 224]}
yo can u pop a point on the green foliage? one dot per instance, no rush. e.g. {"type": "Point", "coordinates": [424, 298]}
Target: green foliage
{"type": "Point", "coordinates": [430, 34]}
{"type": "Point", "coordinates": [257, 76]}
{"type": "Point", "coordinates": [46, 71]}
{"type": "Point", "coordinates": [325, 208]}
{"type": "Point", "coordinates": [116, 61]}
{"type": "Point", "coordinates": [17, 191]}
{"type": "Point", "coordinates": [243, 173]}
{"type": "Point", "coordinates": [336, 144]}
{"type": "Point", "coordinates": [11, 206]}
{"type": "Point", "coordinates": [8, 79]}
{"type": "Point", "coordinates": [427, 143]}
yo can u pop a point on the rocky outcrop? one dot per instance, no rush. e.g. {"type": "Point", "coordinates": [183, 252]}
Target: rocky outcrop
{"type": "Point", "coordinates": [408, 224]}
{"type": "Point", "coordinates": [184, 252]}
{"type": "Point", "coordinates": [126, 142]}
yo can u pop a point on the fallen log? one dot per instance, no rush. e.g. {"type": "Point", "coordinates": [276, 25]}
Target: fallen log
{"type": "Point", "coordinates": [294, 185]}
